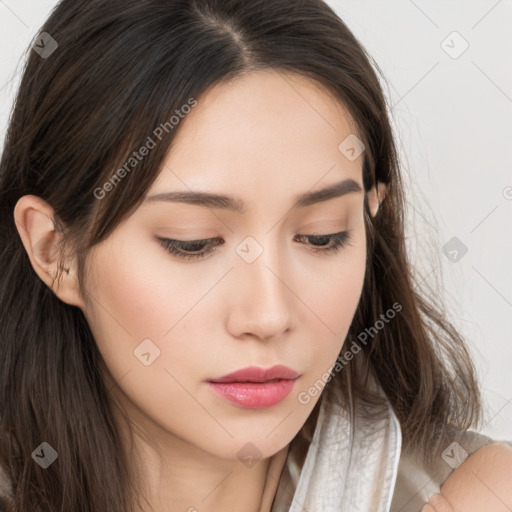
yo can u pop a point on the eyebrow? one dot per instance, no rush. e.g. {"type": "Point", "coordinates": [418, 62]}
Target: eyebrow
{"type": "Point", "coordinates": [231, 203]}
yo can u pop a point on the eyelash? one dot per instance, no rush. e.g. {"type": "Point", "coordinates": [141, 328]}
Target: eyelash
{"type": "Point", "coordinates": [340, 240]}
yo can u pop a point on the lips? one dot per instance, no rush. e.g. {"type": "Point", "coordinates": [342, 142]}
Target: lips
{"type": "Point", "coordinates": [257, 374]}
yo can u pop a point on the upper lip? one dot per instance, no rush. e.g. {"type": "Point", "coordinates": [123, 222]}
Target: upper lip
{"type": "Point", "coordinates": [257, 374]}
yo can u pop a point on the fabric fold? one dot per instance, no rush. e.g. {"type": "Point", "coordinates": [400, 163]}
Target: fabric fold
{"type": "Point", "coordinates": [340, 474]}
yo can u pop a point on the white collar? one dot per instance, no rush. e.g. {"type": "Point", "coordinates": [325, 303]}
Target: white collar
{"type": "Point", "coordinates": [340, 476]}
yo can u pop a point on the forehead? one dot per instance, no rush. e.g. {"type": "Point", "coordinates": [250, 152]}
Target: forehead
{"type": "Point", "coordinates": [260, 133]}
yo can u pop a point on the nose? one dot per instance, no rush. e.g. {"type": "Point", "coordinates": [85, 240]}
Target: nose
{"type": "Point", "coordinates": [260, 296]}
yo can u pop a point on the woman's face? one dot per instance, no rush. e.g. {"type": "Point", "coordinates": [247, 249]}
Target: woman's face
{"type": "Point", "coordinates": [262, 296]}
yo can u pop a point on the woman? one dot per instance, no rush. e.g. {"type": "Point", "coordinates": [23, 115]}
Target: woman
{"type": "Point", "coordinates": [206, 302]}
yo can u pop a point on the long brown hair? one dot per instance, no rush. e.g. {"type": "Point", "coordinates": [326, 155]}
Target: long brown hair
{"type": "Point", "coordinates": [121, 69]}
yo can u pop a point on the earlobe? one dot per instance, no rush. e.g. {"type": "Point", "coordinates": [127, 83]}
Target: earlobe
{"type": "Point", "coordinates": [376, 196]}
{"type": "Point", "coordinates": [34, 221]}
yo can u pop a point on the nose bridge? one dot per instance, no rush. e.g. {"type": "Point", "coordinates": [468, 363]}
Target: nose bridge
{"type": "Point", "coordinates": [262, 292]}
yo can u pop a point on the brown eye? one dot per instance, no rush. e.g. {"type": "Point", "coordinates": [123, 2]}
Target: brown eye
{"type": "Point", "coordinates": [320, 242]}
{"type": "Point", "coordinates": [189, 249]}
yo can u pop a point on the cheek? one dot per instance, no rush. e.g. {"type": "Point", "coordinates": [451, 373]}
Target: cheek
{"type": "Point", "coordinates": [334, 285]}
{"type": "Point", "coordinates": [139, 295]}
{"type": "Point", "coordinates": [345, 290]}
{"type": "Point", "coordinates": [141, 311]}
{"type": "Point", "coordinates": [333, 297]}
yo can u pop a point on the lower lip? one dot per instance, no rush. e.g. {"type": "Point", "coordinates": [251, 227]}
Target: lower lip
{"type": "Point", "coordinates": [254, 395]}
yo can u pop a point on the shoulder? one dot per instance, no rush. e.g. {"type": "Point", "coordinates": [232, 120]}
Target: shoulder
{"type": "Point", "coordinates": [482, 482]}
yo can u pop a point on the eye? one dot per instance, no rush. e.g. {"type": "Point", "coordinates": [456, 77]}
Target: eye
{"type": "Point", "coordinates": [196, 248]}
{"type": "Point", "coordinates": [338, 240]}
{"type": "Point", "coordinates": [176, 247]}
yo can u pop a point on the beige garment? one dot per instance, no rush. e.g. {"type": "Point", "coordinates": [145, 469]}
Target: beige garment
{"type": "Point", "coordinates": [379, 477]}
{"type": "Point", "coordinates": [350, 466]}
{"type": "Point", "coordinates": [321, 476]}
{"type": "Point", "coordinates": [416, 482]}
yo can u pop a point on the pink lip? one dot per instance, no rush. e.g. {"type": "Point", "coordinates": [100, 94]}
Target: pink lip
{"type": "Point", "coordinates": [255, 388]}
{"type": "Point", "coordinates": [256, 374]}
{"type": "Point", "coordinates": [254, 395]}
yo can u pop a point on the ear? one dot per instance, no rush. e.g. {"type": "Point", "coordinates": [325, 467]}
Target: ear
{"type": "Point", "coordinates": [34, 219]}
{"type": "Point", "coordinates": [375, 197]}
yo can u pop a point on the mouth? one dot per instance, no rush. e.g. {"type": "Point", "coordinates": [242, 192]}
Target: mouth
{"type": "Point", "coordinates": [254, 395]}
{"type": "Point", "coordinates": [247, 381]}
{"type": "Point", "coordinates": [256, 374]}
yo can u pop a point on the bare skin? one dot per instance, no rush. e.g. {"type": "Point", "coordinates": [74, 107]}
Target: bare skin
{"type": "Point", "coordinates": [265, 139]}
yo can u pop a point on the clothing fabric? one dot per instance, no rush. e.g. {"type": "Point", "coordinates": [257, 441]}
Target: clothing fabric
{"type": "Point", "coordinates": [339, 475]}
{"type": "Point", "coordinates": [370, 474]}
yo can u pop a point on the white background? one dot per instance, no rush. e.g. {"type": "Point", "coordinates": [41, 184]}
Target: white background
{"type": "Point", "coordinates": [453, 120]}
